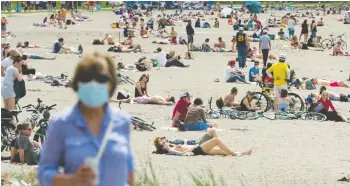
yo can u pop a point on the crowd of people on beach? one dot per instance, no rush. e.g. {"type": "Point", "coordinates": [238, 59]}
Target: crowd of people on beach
{"type": "Point", "coordinates": [95, 82]}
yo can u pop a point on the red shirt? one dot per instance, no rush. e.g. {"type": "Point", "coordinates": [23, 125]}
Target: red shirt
{"type": "Point", "coordinates": [181, 107]}
{"type": "Point", "coordinates": [268, 80]}
{"type": "Point", "coordinates": [91, 3]}
{"type": "Point", "coordinates": [326, 104]}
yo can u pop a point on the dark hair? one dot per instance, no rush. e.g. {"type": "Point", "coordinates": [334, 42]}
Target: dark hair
{"type": "Point", "coordinates": [144, 75]}
{"type": "Point", "coordinates": [220, 103]}
{"type": "Point", "coordinates": [19, 129]}
{"type": "Point", "coordinates": [172, 99]}
{"type": "Point", "coordinates": [198, 101]}
{"type": "Point", "coordinates": [322, 88]}
{"type": "Point", "coordinates": [60, 39]}
{"type": "Point", "coordinates": [234, 90]}
{"type": "Point", "coordinates": [26, 43]}
{"type": "Point", "coordinates": [159, 49]}
{"type": "Point", "coordinates": [207, 40]}
{"type": "Point", "coordinates": [89, 65]}
{"type": "Point", "coordinates": [24, 57]}
{"type": "Point", "coordinates": [220, 38]}
{"type": "Point", "coordinates": [284, 93]}
{"type": "Point", "coordinates": [17, 59]}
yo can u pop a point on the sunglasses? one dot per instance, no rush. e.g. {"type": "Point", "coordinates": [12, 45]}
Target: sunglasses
{"type": "Point", "coordinates": [100, 78]}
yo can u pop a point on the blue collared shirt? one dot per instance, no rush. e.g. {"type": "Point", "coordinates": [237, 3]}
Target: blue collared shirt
{"type": "Point", "coordinates": [69, 142]}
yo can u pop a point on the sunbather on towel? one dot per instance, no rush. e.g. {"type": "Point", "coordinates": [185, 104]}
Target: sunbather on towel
{"type": "Point", "coordinates": [207, 147]}
{"type": "Point", "coordinates": [158, 100]}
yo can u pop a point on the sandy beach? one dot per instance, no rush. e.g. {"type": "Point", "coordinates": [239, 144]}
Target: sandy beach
{"type": "Point", "coordinates": [287, 152]}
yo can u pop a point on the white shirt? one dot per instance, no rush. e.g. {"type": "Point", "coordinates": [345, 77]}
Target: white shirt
{"type": "Point", "coordinates": [229, 72]}
{"type": "Point", "coordinates": [161, 58]}
{"type": "Point", "coordinates": [7, 62]}
{"type": "Point", "coordinates": [291, 23]}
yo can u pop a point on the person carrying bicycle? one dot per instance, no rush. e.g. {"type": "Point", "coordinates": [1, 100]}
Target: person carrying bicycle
{"type": "Point", "coordinates": [281, 75]}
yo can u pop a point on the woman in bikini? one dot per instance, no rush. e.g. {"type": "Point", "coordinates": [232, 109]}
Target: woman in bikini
{"type": "Point", "coordinates": [141, 86]}
{"type": "Point", "coordinates": [294, 42]}
{"type": "Point", "coordinates": [206, 148]}
{"type": "Point", "coordinates": [282, 103]}
{"type": "Point", "coordinates": [317, 81]}
{"type": "Point", "coordinates": [143, 33]}
{"type": "Point", "coordinates": [158, 100]}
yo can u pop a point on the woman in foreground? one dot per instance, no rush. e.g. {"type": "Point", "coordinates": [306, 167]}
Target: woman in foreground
{"type": "Point", "coordinates": [207, 147]}
{"type": "Point", "coordinates": [76, 135]}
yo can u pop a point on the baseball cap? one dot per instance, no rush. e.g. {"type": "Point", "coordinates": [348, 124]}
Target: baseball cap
{"type": "Point", "coordinates": [241, 29]}
{"type": "Point", "coordinates": [232, 62]}
{"type": "Point", "coordinates": [185, 94]}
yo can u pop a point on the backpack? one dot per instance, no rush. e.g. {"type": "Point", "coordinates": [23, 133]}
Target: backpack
{"type": "Point", "coordinates": [96, 42]}
{"type": "Point", "coordinates": [197, 48]}
{"type": "Point", "coordinates": [123, 95]}
{"type": "Point", "coordinates": [20, 89]}
{"type": "Point", "coordinates": [140, 67]}
{"type": "Point", "coordinates": [309, 85]}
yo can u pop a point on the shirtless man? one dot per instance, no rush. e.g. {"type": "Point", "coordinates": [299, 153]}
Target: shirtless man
{"type": "Point", "coordinates": [337, 50]}
{"type": "Point", "coordinates": [229, 100]}
{"type": "Point", "coordinates": [109, 39]}
{"type": "Point", "coordinates": [220, 46]}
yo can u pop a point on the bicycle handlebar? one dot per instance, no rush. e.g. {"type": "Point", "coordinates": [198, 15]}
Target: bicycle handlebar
{"type": "Point", "coordinates": [31, 110]}
{"type": "Point", "coordinates": [50, 107]}
{"type": "Point", "coordinates": [27, 106]}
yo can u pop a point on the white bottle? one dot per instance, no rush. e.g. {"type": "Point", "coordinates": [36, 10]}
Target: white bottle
{"type": "Point", "coordinates": [94, 164]}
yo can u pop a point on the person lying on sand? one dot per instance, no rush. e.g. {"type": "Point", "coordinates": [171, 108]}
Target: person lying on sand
{"type": "Point", "coordinates": [119, 48]}
{"type": "Point", "coordinates": [335, 96]}
{"type": "Point", "coordinates": [173, 60]}
{"type": "Point", "coordinates": [27, 45]}
{"type": "Point", "coordinates": [128, 41]}
{"type": "Point", "coordinates": [337, 83]}
{"type": "Point", "coordinates": [229, 99]}
{"type": "Point", "coordinates": [26, 56]}
{"type": "Point", "coordinates": [108, 38]}
{"type": "Point", "coordinates": [161, 41]}
{"type": "Point", "coordinates": [206, 148]}
{"type": "Point", "coordinates": [158, 100]}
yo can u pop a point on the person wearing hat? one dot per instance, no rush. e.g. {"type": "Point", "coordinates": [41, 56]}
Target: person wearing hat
{"type": "Point", "coordinates": [181, 108]}
{"type": "Point", "coordinates": [242, 45]}
{"type": "Point", "coordinates": [246, 103]}
{"type": "Point", "coordinates": [234, 75]}
{"type": "Point", "coordinates": [281, 75]}
{"type": "Point", "coordinates": [254, 73]}
{"type": "Point", "coordinates": [265, 46]}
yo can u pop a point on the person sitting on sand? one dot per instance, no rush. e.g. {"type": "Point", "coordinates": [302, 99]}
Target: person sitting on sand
{"type": "Point", "coordinates": [246, 103]}
{"type": "Point", "coordinates": [31, 72]}
{"type": "Point", "coordinates": [337, 50]}
{"type": "Point", "coordinates": [173, 36]}
{"type": "Point", "coordinates": [206, 148]}
{"type": "Point", "coordinates": [158, 100]}
{"type": "Point", "coordinates": [294, 42]}
{"type": "Point", "coordinates": [28, 150]}
{"type": "Point", "coordinates": [143, 33]}
{"type": "Point", "coordinates": [320, 22]}
{"type": "Point", "coordinates": [216, 23]}
{"type": "Point", "coordinates": [334, 96]}
{"type": "Point", "coordinates": [282, 34]}
{"type": "Point", "coordinates": [281, 104]}
{"type": "Point", "coordinates": [59, 48]}
{"type": "Point", "coordinates": [160, 57]}
{"type": "Point", "coordinates": [232, 74]}
{"type": "Point", "coordinates": [326, 103]}
{"type": "Point", "coordinates": [141, 86]}
{"type": "Point", "coordinates": [206, 46]}
{"type": "Point", "coordinates": [129, 41]}
{"type": "Point", "coordinates": [181, 108]}
{"type": "Point", "coordinates": [254, 74]}
{"type": "Point", "coordinates": [109, 39]}
{"type": "Point", "coordinates": [220, 46]}
{"type": "Point", "coordinates": [229, 99]}
{"type": "Point", "coordinates": [195, 118]}
{"type": "Point", "coordinates": [338, 83]}
{"type": "Point", "coordinates": [173, 61]}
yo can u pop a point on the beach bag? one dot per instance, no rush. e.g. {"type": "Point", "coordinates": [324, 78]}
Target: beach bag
{"type": "Point", "coordinates": [309, 85]}
{"type": "Point", "coordinates": [96, 42]}
{"type": "Point", "coordinates": [140, 67]}
{"type": "Point", "coordinates": [20, 89]}
{"type": "Point", "coordinates": [123, 95]}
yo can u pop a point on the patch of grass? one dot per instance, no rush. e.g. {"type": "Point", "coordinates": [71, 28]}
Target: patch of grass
{"type": "Point", "coordinates": [207, 179]}
{"type": "Point", "coordinates": [147, 177]}
{"type": "Point", "coordinates": [29, 178]}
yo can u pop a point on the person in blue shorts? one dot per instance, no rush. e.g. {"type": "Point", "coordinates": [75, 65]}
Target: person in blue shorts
{"type": "Point", "coordinates": [36, 56]}
{"type": "Point", "coordinates": [195, 118]}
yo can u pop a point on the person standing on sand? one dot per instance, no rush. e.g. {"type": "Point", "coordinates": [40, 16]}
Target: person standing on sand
{"type": "Point", "coordinates": [265, 46]}
{"type": "Point", "coordinates": [304, 31]}
{"type": "Point", "coordinates": [190, 33]}
{"type": "Point", "coordinates": [280, 75]}
{"type": "Point", "coordinates": [77, 135]}
{"type": "Point", "coordinates": [291, 23]}
{"type": "Point", "coordinates": [242, 46]}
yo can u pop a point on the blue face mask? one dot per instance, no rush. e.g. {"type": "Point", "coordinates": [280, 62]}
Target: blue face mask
{"type": "Point", "coordinates": [93, 94]}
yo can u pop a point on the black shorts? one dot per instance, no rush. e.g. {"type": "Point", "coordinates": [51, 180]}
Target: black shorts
{"type": "Point", "coordinates": [199, 151]}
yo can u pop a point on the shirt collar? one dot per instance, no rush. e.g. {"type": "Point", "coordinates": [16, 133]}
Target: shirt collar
{"type": "Point", "coordinates": [77, 118]}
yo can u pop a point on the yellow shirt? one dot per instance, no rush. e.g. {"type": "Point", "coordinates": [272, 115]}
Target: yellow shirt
{"type": "Point", "coordinates": [279, 71]}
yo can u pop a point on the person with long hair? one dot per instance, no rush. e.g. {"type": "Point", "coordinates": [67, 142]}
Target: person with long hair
{"type": "Point", "coordinates": [246, 103]}
{"type": "Point", "coordinates": [75, 137]}
{"type": "Point", "coordinates": [28, 150]}
{"type": "Point", "coordinates": [141, 86]}
{"type": "Point", "coordinates": [12, 73]}
{"type": "Point", "coordinates": [326, 105]}
{"type": "Point", "coordinates": [282, 103]}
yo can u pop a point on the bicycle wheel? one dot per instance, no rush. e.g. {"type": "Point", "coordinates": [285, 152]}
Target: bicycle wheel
{"type": "Point", "coordinates": [246, 115]}
{"type": "Point", "coordinates": [298, 103]}
{"type": "Point", "coordinates": [343, 45]}
{"type": "Point", "coordinates": [260, 100]}
{"type": "Point", "coordinates": [144, 126]}
{"type": "Point", "coordinates": [327, 44]}
{"type": "Point", "coordinates": [313, 116]}
{"type": "Point", "coordinates": [139, 120]}
{"type": "Point", "coordinates": [212, 114]}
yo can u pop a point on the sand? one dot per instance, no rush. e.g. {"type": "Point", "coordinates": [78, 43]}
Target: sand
{"type": "Point", "coordinates": [288, 152]}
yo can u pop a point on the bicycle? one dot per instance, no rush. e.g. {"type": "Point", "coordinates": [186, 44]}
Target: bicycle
{"type": "Point", "coordinates": [124, 79]}
{"type": "Point", "coordinates": [139, 123]}
{"type": "Point", "coordinates": [265, 94]}
{"type": "Point", "coordinates": [216, 113]}
{"type": "Point", "coordinates": [41, 122]}
{"type": "Point", "coordinates": [7, 127]}
{"type": "Point", "coordinates": [330, 43]}
{"type": "Point", "coordinates": [295, 115]}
